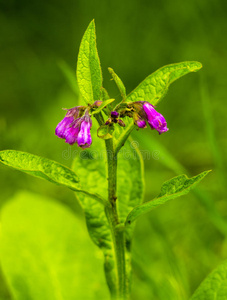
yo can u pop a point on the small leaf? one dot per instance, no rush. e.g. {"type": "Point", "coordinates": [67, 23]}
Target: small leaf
{"type": "Point", "coordinates": [214, 287]}
{"type": "Point", "coordinates": [46, 169]}
{"type": "Point", "coordinates": [173, 188]}
{"type": "Point", "coordinates": [102, 106]}
{"type": "Point", "coordinates": [155, 86]}
{"type": "Point", "coordinates": [105, 131]}
{"type": "Point", "coordinates": [89, 74]}
{"type": "Point", "coordinates": [119, 83]}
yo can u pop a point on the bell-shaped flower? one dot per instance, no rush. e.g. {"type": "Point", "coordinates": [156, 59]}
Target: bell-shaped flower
{"type": "Point", "coordinates": [154, 118]}
{"type": "Point", "coordinates": [84, 136]}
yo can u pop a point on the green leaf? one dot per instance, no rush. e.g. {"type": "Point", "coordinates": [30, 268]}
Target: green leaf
{"type": "Point", "coordinates": [46, 169]}
{"type": "Point", "coordinates": [119, 83]}
{"type": "Point", "coordinates": [173, 188]}
{"type": "Point", "coordinates": [46, 253]}
{"type": "Point", "coordinates": [214, 287]}
{"type": "Point", "coordinates": [155, 86]}
{"type": "Point", "coordinates": [89, 74]}
{"type": "Point", "coordinates": [102, 106]}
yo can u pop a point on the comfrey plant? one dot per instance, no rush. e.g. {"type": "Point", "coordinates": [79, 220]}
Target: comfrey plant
{"type": "Point", "coordinates": [110, 188]}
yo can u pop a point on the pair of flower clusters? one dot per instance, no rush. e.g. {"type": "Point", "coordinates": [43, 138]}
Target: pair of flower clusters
{"type": "Point", "coordinates": [76, 125]}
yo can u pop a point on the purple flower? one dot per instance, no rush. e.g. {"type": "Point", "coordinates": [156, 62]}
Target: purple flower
{"type": "Point", "coordinates": [141, 123]}
{"type": "Point", "coordinates": [154, 118]}
{"type": "Point", "coordinates": [84, 137]}
{"type": "Point", "coordinates": [63, 126]}
{"type": "Point", "coordinates": [74, 129]}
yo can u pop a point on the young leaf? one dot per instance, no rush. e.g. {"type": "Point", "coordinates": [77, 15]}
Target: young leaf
{"type": "Point", "coordinates": [173, 188]}
{"type": "Point", "coordinates": [89, 74]}
{"type": "Point", "coordinates": [46, 169]}
{"type": "Point", "coordinates": [155, 86]}
{"type": "Point", "coordinates": [46, 254]}
{"type": "Point", "coordinates": [119, 83]}
{"type": "Point", "coordinates": [102, 106]}
{"type": "Point", "coordinates": [214, 286]}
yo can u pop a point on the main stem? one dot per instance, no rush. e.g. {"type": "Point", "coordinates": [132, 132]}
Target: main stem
{"type": "Point", "coordinates": [112, 216]}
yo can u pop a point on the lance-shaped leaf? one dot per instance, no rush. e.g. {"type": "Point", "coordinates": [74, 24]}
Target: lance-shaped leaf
{"type": "Point", "coordinates": [173, 188]}
{"type": "Point", "coordinates": [46, 169]}
{"type": "Point", "coordinates": [214, 287]}
{"type": "Point", "coordinates": [89, 74]}
{"type": "Point", "coordinates": [155, 86]}
{"type": "Point", "coordinates": [119, 83]}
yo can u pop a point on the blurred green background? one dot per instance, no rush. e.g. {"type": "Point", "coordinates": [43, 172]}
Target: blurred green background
{"type": "Point", "coordinates": [177, 245]}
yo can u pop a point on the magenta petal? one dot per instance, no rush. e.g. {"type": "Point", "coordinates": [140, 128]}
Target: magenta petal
{"type": "Point", "coordinates": [154, 118]}
{"type": "Point", "coordinates": [71, 135]}
{"type": "Point", "coordinates": [63, 126]}
{"type": "Point", "coordinates": [84, 137]}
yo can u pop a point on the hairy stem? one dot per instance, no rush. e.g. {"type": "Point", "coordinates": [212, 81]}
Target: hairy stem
{"type": "Point", "coordinates": [112, 216]}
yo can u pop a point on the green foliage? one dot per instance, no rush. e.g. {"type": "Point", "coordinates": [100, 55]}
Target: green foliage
{"type": "Point", "coordinates": [46, 169]}
{"type": "Point", "coordinates": [89, 74]}
{"type": "Point", "coordinates": [47, 255]}
{"type": "Point", "coordinates": [173, 188]}
{"type": "Point", "coordinates": [214, 286]}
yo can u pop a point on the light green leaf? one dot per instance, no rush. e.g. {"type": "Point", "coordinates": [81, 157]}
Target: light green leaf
{"type": "Point", "coordinates": [46, 253]}
{"type": "Point", "coordinates": [155, 86]}
{"type": "Point", "coordinates": [214, 287]}
{"type": "Point", "coordinates": [119, 83]}
{"type": "Point", "coordinates": [89, 74]}
{"type": "Point", "coordinates": [102, 106]}
{"type": "Point", "coordinates": [173, 188]}
{"type": "Point", "coordinates": [46, 169]}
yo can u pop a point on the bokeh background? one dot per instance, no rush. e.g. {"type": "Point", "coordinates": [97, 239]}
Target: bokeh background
{"type": "Point", "coordinates": [177, 245]}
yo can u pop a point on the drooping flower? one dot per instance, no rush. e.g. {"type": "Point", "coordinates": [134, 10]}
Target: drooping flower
{"type": "Point", "coordinates": [154, 118]}
{"type": "Point", "coordinates": [84, 136]}
{"type": "Point", "coordinates": [75, 129]}
{"type": "Point", "coordinates": [63, 126]}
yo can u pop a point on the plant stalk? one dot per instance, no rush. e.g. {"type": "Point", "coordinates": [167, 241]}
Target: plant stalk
{"type": "Point", "coordinates": [112, 216]}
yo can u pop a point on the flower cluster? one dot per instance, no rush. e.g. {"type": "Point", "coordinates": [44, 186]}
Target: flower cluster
{"type": "Point", "coordinates": [76, 125]}
{"type": "Point", "coordinates": [75, 129]}
{"type": "Point", "coordinates": [145, 112]}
